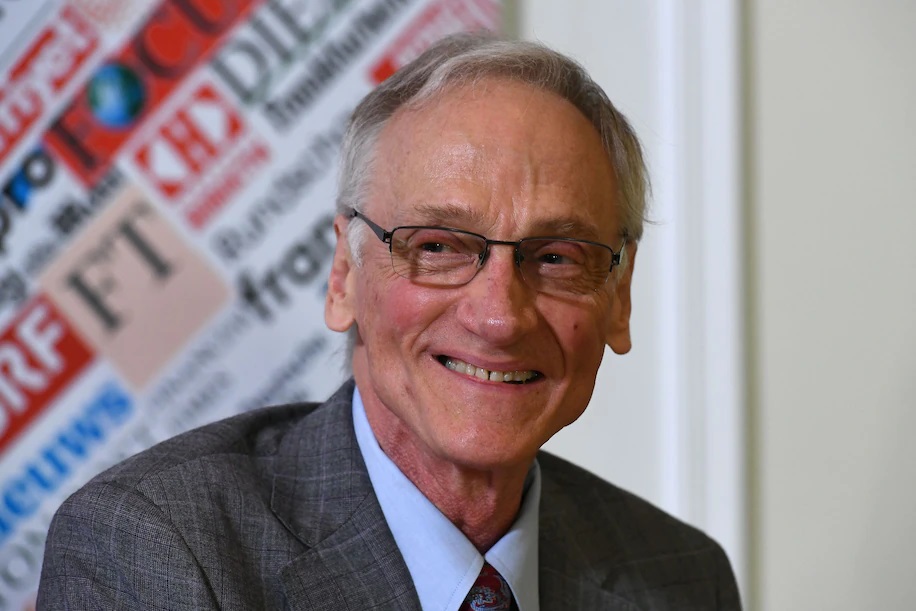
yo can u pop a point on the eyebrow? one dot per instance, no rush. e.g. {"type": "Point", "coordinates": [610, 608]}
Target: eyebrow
{"type": "Point", "coordinates": [459, 217]}
{"type": "Point", "coordinates": [447, 214]}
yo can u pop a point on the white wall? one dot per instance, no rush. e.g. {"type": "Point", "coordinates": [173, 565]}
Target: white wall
{"type": "Point", "coordinates": [833, 210]}
{"type": "Point", "coordinates": [829, 287]}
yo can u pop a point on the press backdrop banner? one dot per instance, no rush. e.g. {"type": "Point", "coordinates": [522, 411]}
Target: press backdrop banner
{"type": "Point", "coordinates": [168, 177]}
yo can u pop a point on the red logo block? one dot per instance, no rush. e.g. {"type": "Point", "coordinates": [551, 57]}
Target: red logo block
{"type": "Point", "coordinates": [190, 142]}
{"type": "Point", "coordinates": [42, 73]}
{"type": "Point", "coordinates": [177, 37]}
{"type": "Point", "coordinates": [39, 355]}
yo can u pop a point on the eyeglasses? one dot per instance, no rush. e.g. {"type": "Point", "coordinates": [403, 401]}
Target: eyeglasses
{"type": "Point", "coordinates": [442, 256]}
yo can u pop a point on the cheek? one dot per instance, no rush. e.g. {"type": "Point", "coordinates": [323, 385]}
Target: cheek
{"type": "Point", "coordinates": [583, 340]}
{"type": "Point", "coordinates": [399, 309]}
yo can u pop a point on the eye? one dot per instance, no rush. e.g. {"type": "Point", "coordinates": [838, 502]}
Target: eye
{"type": "Point", "coordinates": [434, 247]}
{"type": "Point", "coordinates": [439, 242]}
{"type": "Point", "coordinates": [557, 253]}
{"type": "Point", "coordinates": [553, 258]}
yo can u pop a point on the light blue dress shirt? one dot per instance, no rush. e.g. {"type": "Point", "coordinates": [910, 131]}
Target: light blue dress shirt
{"type": "Point", "coordinates": [442, 562]}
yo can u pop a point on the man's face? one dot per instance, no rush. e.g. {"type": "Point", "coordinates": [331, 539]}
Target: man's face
{"type": "Point", "coordinates": [507, 161]}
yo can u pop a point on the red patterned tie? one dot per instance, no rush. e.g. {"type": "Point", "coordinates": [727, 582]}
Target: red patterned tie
{"type": "Point", "coordinates": [489, 593]}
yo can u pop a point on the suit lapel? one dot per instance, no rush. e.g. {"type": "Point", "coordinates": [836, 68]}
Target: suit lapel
{"type": "Point", "coordinates": [571, 573]}
{"type": "Point", "coordinates": [564, 591]}
{"type": "Point", "coordinates": [356, 567]}
{"type": "Point", "coordinates": [566, 579]}
{"type": "Point", "coordinates": [323, 495]}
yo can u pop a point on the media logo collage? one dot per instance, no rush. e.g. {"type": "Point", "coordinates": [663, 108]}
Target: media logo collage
{"type": "Point", "coordinates": [167, 172]}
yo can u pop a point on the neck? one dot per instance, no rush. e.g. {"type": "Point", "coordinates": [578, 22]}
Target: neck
{"type": "Point", "coordinates": [482, 502]}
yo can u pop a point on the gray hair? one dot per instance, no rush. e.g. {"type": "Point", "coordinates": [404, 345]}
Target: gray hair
{"type": "Point", "coordinates": [466, 59]}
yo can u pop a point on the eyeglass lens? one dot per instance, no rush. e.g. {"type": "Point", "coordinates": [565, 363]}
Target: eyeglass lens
{"type": "Point", "coordinates": [444, 257]}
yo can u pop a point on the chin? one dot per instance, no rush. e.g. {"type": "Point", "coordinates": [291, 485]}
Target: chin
{"type": "Point", "coordinates": [488, 453]}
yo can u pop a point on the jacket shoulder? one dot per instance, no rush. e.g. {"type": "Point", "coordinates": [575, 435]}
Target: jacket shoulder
{"type": "Point", "coordinates": [251, 436]}
{"type": "Point", "coordinates": [627, 546]}
{"type": "Point", "coordinates": [191, 516]}
{"type": "Point", "coordinates": [572, 490]}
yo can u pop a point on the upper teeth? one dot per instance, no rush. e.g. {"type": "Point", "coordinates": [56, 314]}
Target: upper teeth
{"type": "Point", "coordinates": [486, 374]}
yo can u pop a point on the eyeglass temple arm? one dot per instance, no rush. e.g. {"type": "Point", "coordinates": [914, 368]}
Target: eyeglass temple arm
{"type": "Point", "coordinates": [615, 260]}
{"type": "Point", "coordinates": [384, 236]}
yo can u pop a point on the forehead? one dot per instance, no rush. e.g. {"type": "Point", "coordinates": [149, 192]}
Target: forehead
{"type": "Point", "coordinates": [511, 156]}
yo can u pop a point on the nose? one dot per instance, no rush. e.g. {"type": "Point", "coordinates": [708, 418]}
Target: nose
{"type": "Point", "coordinates": [496, 304]}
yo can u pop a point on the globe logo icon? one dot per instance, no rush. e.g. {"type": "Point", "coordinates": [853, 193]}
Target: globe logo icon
{"type": "Point", "coordinates": [116, 96]}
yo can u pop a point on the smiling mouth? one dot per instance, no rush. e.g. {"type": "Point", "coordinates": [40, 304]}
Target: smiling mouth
{"type": "Point", "coordinates": [508, 377]}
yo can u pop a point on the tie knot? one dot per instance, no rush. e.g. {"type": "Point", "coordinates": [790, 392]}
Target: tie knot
{"type": "Point", "coordinates": [489, 593]}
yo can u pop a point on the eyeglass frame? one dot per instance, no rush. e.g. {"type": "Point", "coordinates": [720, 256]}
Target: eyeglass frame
{"type": "Point", "coordinates": [386, 237]}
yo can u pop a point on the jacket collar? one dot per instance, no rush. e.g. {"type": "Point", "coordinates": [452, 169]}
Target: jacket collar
{"type": "Point", "coordinates": [322, 494]}
{"type": "Point", "coordinates": [572, 572]}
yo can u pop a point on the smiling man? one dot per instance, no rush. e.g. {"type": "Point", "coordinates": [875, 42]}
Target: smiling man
{"type": "Point", "coordinates": [490, 205]}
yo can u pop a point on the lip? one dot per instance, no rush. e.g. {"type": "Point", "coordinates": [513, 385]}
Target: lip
{"type": "Point", "coordinates": [489, 366]}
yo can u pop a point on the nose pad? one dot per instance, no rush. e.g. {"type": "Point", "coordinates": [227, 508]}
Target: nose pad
{"type": "Point", "coordinates": [517, 256]}
{"type": "Point", "coordinates": [499, 305]}
{"type": "Point", "coordinates": [482, 257]}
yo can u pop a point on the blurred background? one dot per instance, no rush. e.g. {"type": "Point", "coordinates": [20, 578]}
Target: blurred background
{"type": "Point", "coordinates": [167, 173]}
{"type": "Point", "coordinates": [818, 98]}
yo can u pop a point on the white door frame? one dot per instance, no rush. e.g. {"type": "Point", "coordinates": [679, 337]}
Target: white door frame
{"type": "Point", "coordinates": [674, 68]}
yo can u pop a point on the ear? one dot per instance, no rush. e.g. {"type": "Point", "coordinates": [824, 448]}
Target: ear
{"type": "Point", "coordinates": [339, 313]}
{"type": "Point", "coordinates": [618, 330]}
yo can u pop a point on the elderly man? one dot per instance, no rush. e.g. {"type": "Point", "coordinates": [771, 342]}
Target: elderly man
{"type": "Point", "coordinates": [490, 205]}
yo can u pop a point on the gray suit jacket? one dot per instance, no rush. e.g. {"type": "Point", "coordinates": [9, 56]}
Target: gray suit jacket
{"type": "Point", "coordinates": [273, 509]}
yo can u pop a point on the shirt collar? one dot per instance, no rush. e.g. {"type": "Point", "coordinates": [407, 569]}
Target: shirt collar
{"type": "Point", "coordinates": [442, 562]}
